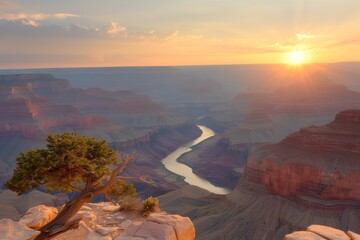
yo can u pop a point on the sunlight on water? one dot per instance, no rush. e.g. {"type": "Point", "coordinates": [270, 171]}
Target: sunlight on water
{"type": "Point", "coordinates": [171, 164]}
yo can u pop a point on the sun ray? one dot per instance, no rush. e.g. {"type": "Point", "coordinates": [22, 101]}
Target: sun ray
{"type": "Point", "coordinates": [297, 57]}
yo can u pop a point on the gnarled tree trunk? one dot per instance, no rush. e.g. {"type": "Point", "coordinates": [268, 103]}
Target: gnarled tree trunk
{"type": "Point", "coordinates": [61, 222]}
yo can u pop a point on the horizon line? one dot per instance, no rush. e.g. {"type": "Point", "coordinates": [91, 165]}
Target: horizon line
{"type": "Point", "coordinates": [173, 66]}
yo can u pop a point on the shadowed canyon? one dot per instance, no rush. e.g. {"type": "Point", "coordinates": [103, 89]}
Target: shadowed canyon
{"type": "Point", "coordinates": [284, 152]}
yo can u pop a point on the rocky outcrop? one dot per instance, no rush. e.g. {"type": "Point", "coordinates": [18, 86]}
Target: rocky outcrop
{"type": "Point", "coordinates": [310, 162]}
{"type": "Point", "coordinates": [14, 206]}
{"type": "Point", "coordinates": [319, 232]}
{"type": "Point", "coordinates": [11, 230]}
{"type": "Point", "coordinates": [104, 221]}
{"type": "Point", "coordinates": [160, 226]}
{"type": "Point", "coordinates": [38, 216]}
{"type": "Point", "coordinates": [24, 110]}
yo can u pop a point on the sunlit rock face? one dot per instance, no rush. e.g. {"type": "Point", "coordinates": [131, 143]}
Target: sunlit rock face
{"type": "Point", "coordinates": [320, 232]}
{"type": "Point", "coordinates": [35, 104]}
{"type": "Point", "coordinates": [24, 111]}
{"type": "Point", "coordinates": [318, 162]}
{"type": "Point", "coordinates": [102, 221]}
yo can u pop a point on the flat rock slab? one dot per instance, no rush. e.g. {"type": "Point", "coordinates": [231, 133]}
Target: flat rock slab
{"type": "Point", "coordinates": [303, 235]}
{"type": "Point", "coordinates": [11, 230]}
{"type": "Point", "coordinates": [111, 208]}
{"type": "Point", "coordinates": [183, 226]}
{"type": "Point", "coordinates": [155, 230]}
{"type": "Point", "coordinates": [106, 230]}
{"type": "Point", "coordinates": [328, 232]}
{"type": "Point", "coordinates": [353, 236]}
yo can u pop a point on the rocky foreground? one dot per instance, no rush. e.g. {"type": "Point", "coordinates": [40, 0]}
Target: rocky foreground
{"type": "Point", "coordinates": [319, 232]}
{"type": "Point", "coordinates": [102, 221]}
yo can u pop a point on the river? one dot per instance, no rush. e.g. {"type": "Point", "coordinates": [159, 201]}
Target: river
{"type": "Point", "coordinates": [170, 162]}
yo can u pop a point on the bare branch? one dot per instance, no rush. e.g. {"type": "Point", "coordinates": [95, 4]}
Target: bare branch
{"type": "Point", "coordinates": [125, 161]}
{"type": "Point", "coordinates": [115, 171]}
{"type": "Point", "coordinates": [140, 179]}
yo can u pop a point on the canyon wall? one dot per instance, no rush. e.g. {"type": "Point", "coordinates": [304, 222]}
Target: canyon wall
{"type": "Point", "coordinates": [317, 162]}
{"type": "Point", "coordinates": [310, 177]}
{"type": "Point", "coordinates": [34, 105]}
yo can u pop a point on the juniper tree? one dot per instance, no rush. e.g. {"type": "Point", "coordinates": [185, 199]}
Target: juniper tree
{"type": "Point", "coordinates": [72, 163]}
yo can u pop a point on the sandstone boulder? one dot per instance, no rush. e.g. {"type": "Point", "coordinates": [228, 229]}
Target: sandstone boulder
{"type": "Point", "coordinates": [38, 216]}
{"type": "Point", "coordinates": [320, 232]}
{"type": "Point", "coordinates": [99, 222]}
{"type": "Point", "coordinates": [160, 226]}
{"type": "Point", "coordinates": [303, 235]}
{"type": "Point", "coordinates": [183, 226]}
{"type": "Point", "coordinates": [328, 232]}
{"type": "Point", "coordinates": [353, 236]}
{"type": "Point", "coordinates": [155, 230]}
{"type": "Point", "coordinates": [11, 230]}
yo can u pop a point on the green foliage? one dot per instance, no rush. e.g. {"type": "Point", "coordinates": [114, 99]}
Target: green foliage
{"type": "Point", "coordinates": [65, 165]}
{"type": "Point", "coordinates": [121, 190]}
{"type": "Point", "coordinates": [73, 163]}
{"type": "Point", "coordinates": [150, 205]}
{"type": "Point", "coordinates": [130, 205]}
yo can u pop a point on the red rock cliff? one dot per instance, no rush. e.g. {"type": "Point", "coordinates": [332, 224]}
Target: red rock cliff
{"type": "Point", "coordinates": [317, 162]}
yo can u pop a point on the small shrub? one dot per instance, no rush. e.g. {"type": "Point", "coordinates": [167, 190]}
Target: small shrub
{"type": "Point", "coordinates": [130, 205]}
{"type": "Point", "coordinates": [149, 206]}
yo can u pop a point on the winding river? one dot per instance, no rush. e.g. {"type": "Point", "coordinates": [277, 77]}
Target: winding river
{"type": "Point", "coordinates": [170, 162]}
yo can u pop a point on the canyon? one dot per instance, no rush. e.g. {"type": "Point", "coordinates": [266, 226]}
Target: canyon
{"type": "Point", "coordinates": [34, 105]}
{"type": "Point", "coordinates": [253, 119]}
{"type": "Point", "coordinates": [315, 162]}
{"type": "Point", "coordinates": [310, 177]}
{"type": "Point", "coordinates": [282, 179]}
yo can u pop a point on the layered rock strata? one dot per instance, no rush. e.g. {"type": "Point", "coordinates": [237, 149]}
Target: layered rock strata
{"type": "Point", "coordinates": [311, 177]}
{"type": "Point", "coordinates": [316, 162]}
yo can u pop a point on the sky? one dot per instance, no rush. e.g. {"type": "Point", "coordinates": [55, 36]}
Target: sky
{"type": "Point", "coordinates": [93, 33]}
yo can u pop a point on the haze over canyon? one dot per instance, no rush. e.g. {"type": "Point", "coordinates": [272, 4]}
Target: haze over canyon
{"type": "Point", "coordinates": [275, 148]}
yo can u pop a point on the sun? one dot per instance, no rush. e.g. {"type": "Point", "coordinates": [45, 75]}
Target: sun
{"type": "Point", "coordinates": [297, 57]}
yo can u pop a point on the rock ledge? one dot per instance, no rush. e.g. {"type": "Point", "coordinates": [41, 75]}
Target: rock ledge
{"type": "Point", "coordinates": [320, 232]}
{"type": "Point", "coordinates": [103, 221]}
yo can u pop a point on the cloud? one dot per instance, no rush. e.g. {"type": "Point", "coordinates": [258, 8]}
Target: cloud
{"type": "Point", "coordinates": [345, 42]}
{"type": "Point", "coordinates": [29, 22]}
{"type": "Point", "coordinates": [306, 36]}
{"type": "Point", "coordinates": [172, 36]}
{"type": "Point", "coordinates": [113, 29]}
{"type": "Point", "coordinates": [7, 4]}
{"type": "Point", "coordinates": [32, 19]}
